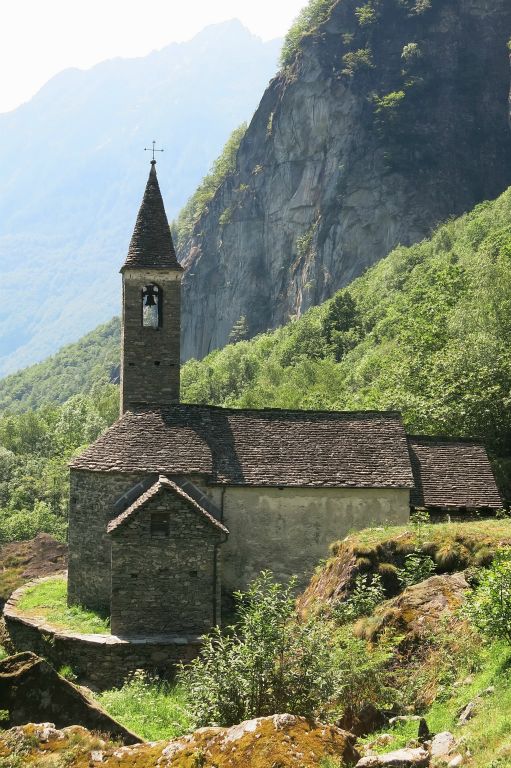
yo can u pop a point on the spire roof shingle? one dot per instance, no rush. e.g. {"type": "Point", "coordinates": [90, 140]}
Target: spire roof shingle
{"type": "Point", "coordinates": [151, 244]}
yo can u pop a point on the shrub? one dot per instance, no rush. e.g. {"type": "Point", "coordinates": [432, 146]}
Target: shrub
{"type": "Point", "coordinates": [268, 662]}
{"type": "Point", "coordinates": [489, 606]}
{"type": "Point", "coordinates": [25, 524]}
{"type": "Point", "coordinates": [367, 593]}
{"type": "Point", "coordinates": [419, 521]}
{"type": "Point", "coordinates": [357, 60]}
{"type": "Point", "coordinates": [417, 568]}
{"type": "Point", "coordinates": [363, 680]}
{"type": "Point", "coordinates": [314, 13]}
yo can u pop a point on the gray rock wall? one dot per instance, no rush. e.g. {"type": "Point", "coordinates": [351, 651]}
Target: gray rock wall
{"type": "Point", "coordinates": [329, 179]}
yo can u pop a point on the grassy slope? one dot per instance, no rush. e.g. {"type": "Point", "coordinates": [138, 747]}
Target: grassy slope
{"type": "Point", "coordinates": [75, 368]}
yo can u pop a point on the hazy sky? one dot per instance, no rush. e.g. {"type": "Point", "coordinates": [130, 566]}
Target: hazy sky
{"type": "Point", "coordinates": [39, 38]}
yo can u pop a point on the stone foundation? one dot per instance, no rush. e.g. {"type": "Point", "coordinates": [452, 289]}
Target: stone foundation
{"type": "Point", "coordinates": [99, 661]}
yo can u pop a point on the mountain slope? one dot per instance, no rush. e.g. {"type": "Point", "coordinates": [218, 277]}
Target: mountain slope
{"type": "Point", "coordinates": [392, 116]}
{"type": "Point", "coordinates": [73, 171]}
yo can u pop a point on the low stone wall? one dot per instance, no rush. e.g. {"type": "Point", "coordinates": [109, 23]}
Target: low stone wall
{"type": "Point", "coordinates": [99, 661]}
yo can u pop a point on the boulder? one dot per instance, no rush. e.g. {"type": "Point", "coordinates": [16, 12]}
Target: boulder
{"type": "Point", "coordinates": [418, 609]}
{"type": "Point", "coordinates": [401, 758]}
{"type": "Point", "coordinates": [443, 745]}
{"type": "Point", "coordinates": [282, 740]}
{"type": "Point", "coordinates": [32, 691]}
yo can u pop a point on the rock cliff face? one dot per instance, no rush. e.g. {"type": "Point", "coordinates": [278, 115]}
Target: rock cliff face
{"type": "Point", "coordinates": [392, 117]}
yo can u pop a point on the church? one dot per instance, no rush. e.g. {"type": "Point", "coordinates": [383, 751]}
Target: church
{"type": "Point", "coordinates": [177, 502]}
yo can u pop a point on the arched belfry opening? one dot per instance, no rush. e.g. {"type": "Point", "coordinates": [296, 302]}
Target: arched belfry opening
{"type": "Point", "coordinates": [152, 304]}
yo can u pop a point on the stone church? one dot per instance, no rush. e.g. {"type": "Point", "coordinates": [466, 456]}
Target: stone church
{"type": "Point", "coordinates": [176, 502]}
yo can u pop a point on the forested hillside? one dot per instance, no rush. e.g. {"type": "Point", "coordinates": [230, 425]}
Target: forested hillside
{"type": "Point", "coordinates": [426, 331]}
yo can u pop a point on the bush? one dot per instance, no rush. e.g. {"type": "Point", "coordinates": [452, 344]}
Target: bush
{"type": "Point", "coordinates": [489, 607]}
{"type": "Point", "coordinates": [314, 13]}
{"type": "Point", "coordinates": [417, 568]}
{"type": "Point", "coordinates": [367, 593]}
{"type": "Point", "coordinates": [268, 662]}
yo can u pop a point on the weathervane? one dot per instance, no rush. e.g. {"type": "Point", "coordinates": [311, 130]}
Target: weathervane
{"type": "Point", "coordinates": [153, 150]}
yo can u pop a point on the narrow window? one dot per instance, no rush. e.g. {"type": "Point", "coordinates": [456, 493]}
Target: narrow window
{"type": "Point", "coordinates": [151, 306]}
{"type": "Point", "coordinates": [160, 525]}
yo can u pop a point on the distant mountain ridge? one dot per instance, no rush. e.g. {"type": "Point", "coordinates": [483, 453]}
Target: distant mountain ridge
{"type": "Point", "coordinates": [73, 171]}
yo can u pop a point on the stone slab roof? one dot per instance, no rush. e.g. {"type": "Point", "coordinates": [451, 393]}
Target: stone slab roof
{"type": "Point", "coordinates": [365, 449]}
{"type": "Point", "coordinates": [452, 473]}
{"type": "Point", "coordinates": [161, 485]}
{"type": "Point", "coordinates": [151, 244]}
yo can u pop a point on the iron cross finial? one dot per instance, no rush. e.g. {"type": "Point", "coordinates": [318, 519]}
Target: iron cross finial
{"type": "Point", "coordinates": [153, 150]}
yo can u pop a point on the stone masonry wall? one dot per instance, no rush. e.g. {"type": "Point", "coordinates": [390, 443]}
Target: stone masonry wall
{"type": "Point", "coordinates": [92, 496]}
{"type": "Point", "coordinates": [99, 661]}
{"type": "Point", "coordinates": [150, 357]}
{"type": "Point", "coordinates": [165, 584]}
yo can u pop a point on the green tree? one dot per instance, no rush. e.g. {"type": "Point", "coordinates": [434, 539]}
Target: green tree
{"type": "Point", "coordinates": [489, 606]}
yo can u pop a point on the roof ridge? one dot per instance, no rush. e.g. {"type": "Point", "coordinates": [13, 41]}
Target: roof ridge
{"type": "Point", "coordinates": [447, 439]}
{"type": "Point", "coordinates": [206, 406]}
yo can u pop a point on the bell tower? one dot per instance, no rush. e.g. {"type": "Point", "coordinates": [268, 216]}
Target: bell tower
{"type": "Point", "coordinates": [151, 308]}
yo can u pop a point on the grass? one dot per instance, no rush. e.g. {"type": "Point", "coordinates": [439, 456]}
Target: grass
{"type": "Point", "coordinates": [48, 600]}
{"type": "Point", "coordinates": [489, 529]}
{"type": "Point", "coordinates": [153, 709]}
{"type": "Point", "coordinates": [488, 735]}
{"type": "Point", "coordinates": [3, 653]}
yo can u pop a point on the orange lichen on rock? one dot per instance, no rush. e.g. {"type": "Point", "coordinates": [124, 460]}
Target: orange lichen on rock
{"type": "Point", "coordinates": [282, 741]}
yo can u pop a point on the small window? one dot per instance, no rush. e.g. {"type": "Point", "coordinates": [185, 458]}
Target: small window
{"type": "Point", "coordinates": [160, 525]}
{"type": "Point", "coordinates": [151, 306]}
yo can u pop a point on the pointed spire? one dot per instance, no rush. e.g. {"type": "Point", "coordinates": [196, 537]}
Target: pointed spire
{"type": "Point", "coordinates": [151, 243]}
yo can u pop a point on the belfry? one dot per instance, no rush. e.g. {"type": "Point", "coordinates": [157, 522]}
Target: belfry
{"type": "Point", "coordinates": [151, 308]}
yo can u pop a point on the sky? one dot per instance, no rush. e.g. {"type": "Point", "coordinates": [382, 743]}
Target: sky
{"type": "Point", "coordinates": [39, 38]}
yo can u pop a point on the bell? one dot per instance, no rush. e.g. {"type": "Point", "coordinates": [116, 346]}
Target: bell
{"type": "Point", "coordinates": [149, 299]}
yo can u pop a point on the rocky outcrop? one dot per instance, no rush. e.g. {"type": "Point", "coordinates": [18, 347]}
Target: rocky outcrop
{"type": "Point", "coordinates": [282, 741]}
{"type": "Point", "coordinates": [31, 691]}
{"type": "Point", "coordinates": [418, 609]}
{"type": "Point", "coordinates": [389, 121]}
